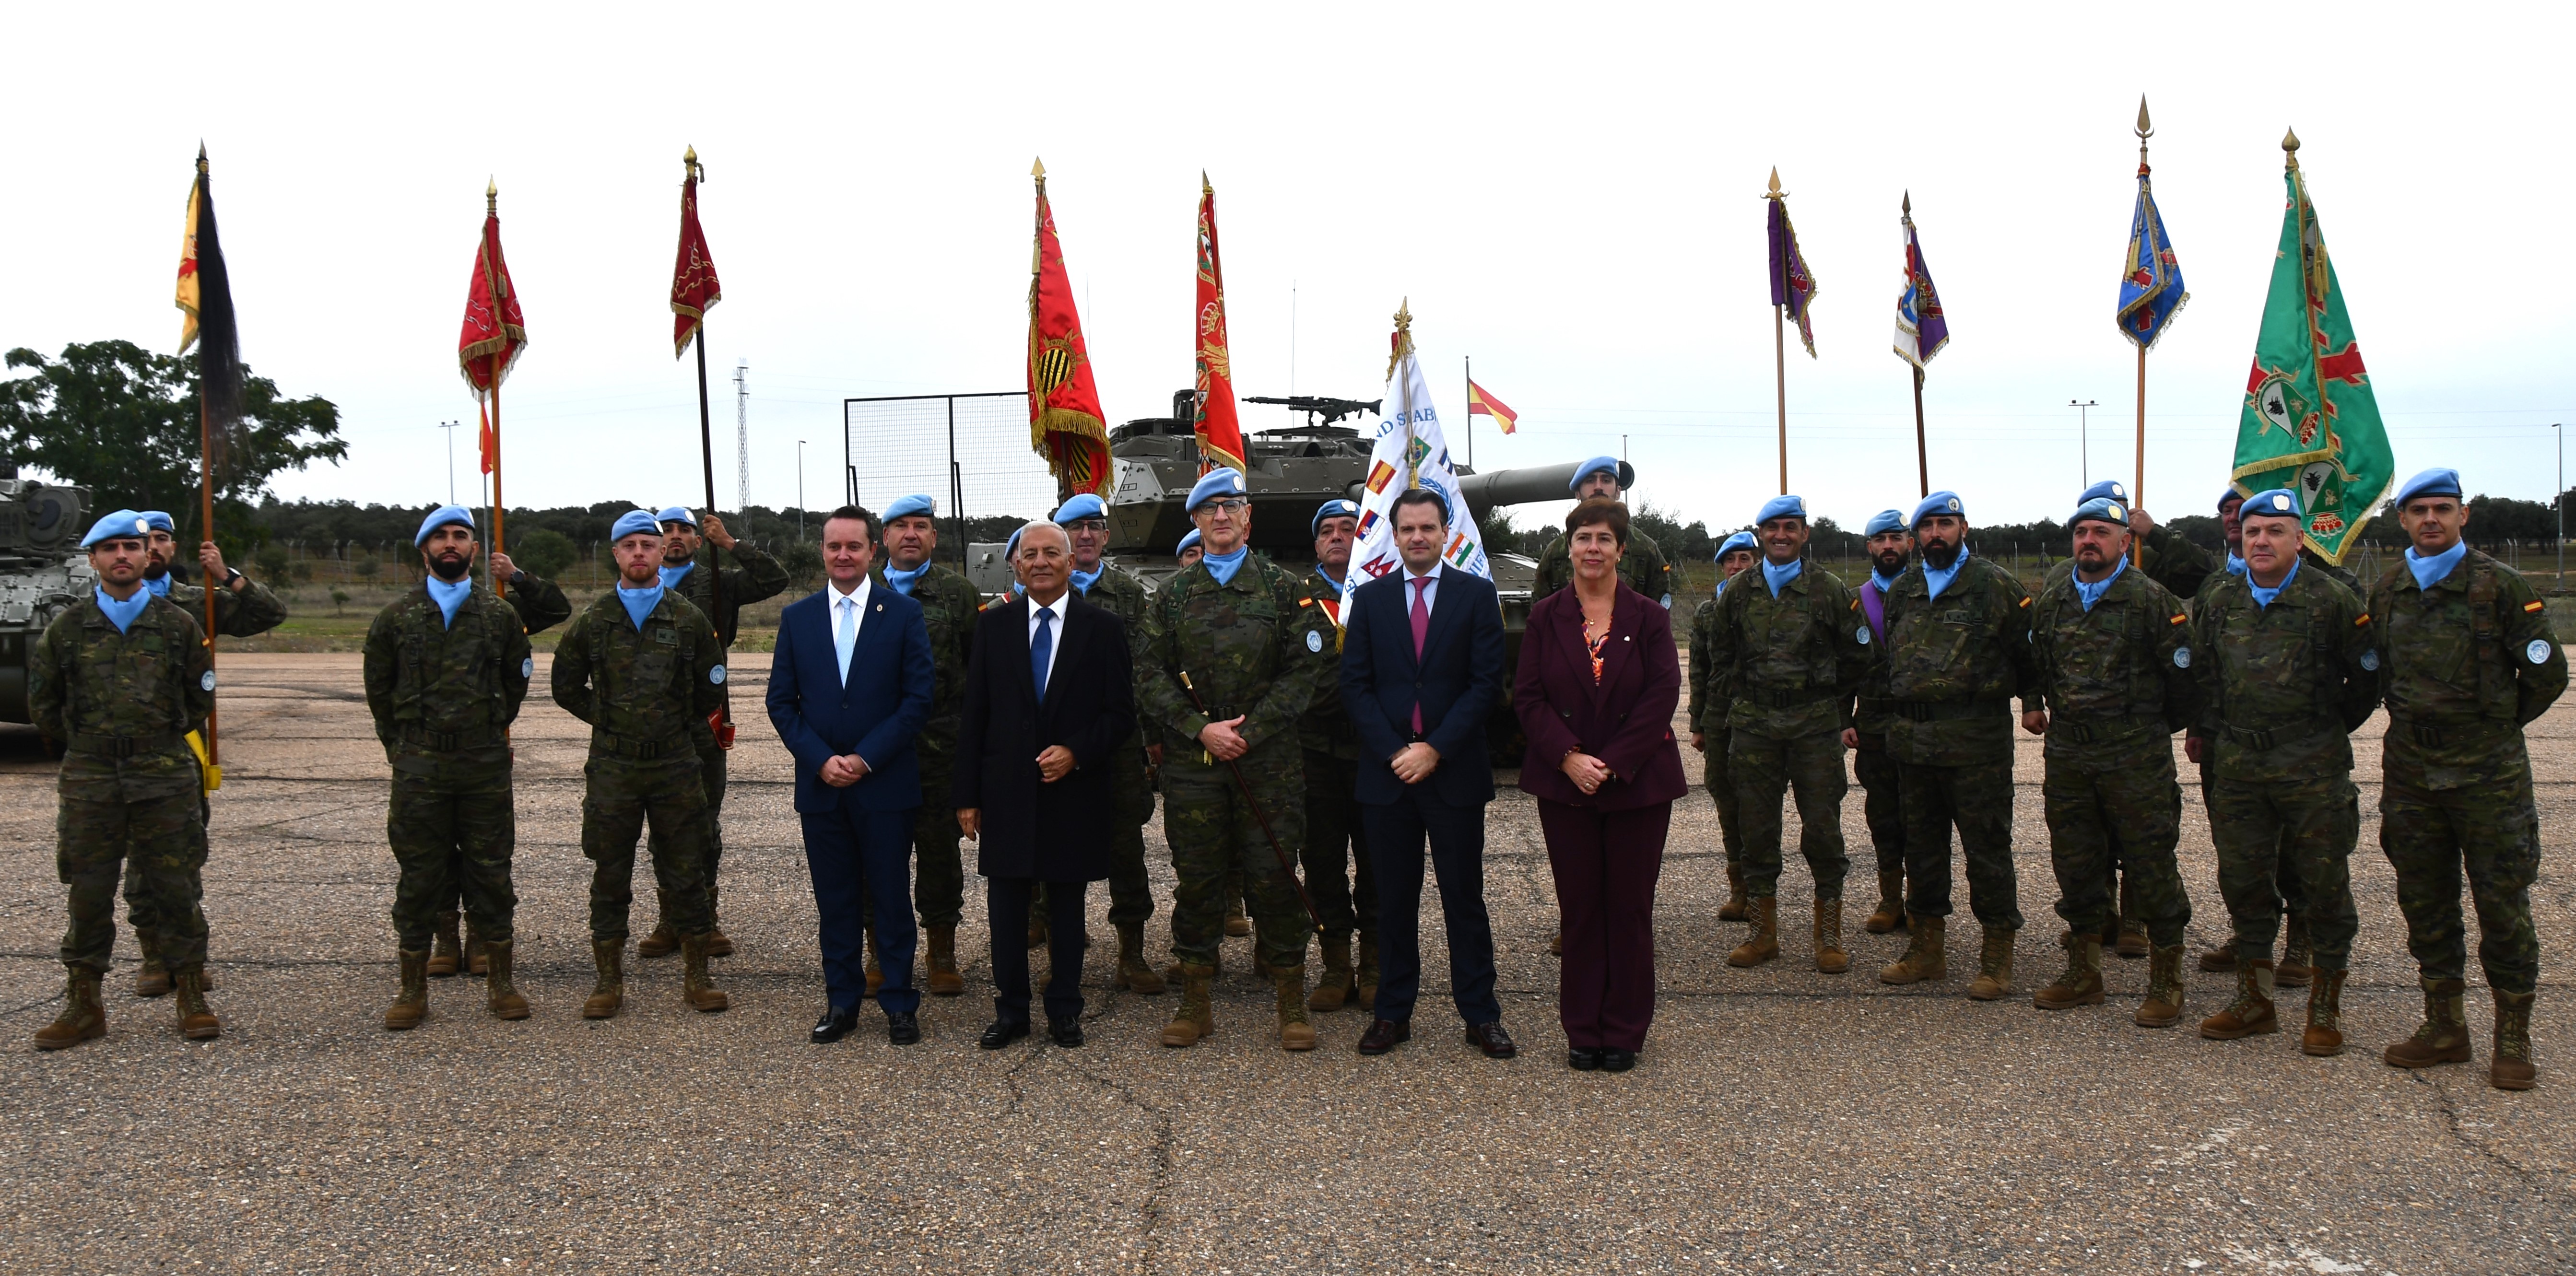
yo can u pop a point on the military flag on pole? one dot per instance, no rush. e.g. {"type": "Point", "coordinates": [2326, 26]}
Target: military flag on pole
{"type": "Point", "coordinates": [2151, 289]}
{"type": "Point", "coordinates": [1065, 421]}
{"type": "Point", "coordinates": [1921, 328]}
{"type": "Point", "coordinates": [205, 302]}
{"type": "Point", "coordinates": [1411, 452]}
{"type": "Point", "coordinates": [495, 331]}
{"type": "Point", "coordinates": [693, 280]}
{"type": "Point", "coordinates": [1220, 431]}
{"type": "Point", "coordinates": [1481, 402]}
{"type": "Point", "coordinates": [1793, 286]}
{"type": "Point", "coordinates": [2310, 422]}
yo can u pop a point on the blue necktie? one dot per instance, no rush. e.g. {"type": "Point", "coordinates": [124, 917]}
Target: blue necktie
{"type": "Point", "coordinates": [1040, 648]}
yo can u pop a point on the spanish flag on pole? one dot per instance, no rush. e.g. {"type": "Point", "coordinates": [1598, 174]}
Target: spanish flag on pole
{"type": "Point", "coordinates": [1481, 402]}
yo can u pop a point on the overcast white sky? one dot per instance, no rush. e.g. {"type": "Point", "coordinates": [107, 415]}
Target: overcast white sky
{"type": "Point", "coordinates": [1569, 194]}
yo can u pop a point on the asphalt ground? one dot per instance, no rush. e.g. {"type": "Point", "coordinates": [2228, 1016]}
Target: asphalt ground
{"type": "Point", "coordinates": [1780, 1119]}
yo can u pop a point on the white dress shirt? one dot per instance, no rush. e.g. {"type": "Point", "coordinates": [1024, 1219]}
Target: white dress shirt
{"type": "Point", "coordinates": [1430, 592]}
{"type": "Point", "coordinates": [1055, 629]}
{"type": "Point", "coordinates": [850, 610]}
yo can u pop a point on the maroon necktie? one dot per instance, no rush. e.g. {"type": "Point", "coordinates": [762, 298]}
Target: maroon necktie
{"type": "Point", "coordinates": [1421, 630]}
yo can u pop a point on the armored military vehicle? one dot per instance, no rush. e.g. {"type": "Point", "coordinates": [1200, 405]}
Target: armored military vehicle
{"type": "Point", "coordinates": [42, 572]}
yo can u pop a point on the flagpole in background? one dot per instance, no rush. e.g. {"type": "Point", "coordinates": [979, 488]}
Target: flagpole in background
{"type": "Point", "coordinates": [204, 296]}
{"type": "Point", "coordinates": [694, 290]}
{"type": "Point", "coordinates": [706, 432]}
{"type": "Point", "coordinates": [500, 361]}
{"type": "Point", "coordinates": [1922, 451]}
{"type": "Point", "coordinates": [1469, 361]}
{"type": "Point", "coordinates": [2151, 292]}
{"type": "Point", "coordinates": [2138, 476]}
{"type": "Point", "coordinates": [1779, 332]}
{"type": "Point", "coordinates": [1922, 329]}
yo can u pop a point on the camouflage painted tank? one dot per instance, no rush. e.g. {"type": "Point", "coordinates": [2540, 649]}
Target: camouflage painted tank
{"type": "Point", "coordinates": [42, 572]}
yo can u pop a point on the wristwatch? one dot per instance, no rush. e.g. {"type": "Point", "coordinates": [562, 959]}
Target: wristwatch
{"type": "Point", "coordinates": [232, 576]}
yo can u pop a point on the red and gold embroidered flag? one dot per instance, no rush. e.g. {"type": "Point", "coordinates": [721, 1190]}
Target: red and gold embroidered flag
{"type": "Point", "coordinates": [1065, 422]}
{"type": "Point", "coordinates": [1220, 431]}
{"type": "Point", "coordinates": [693, 280]}
{"type": "Point", "coordinates": [495, 330]}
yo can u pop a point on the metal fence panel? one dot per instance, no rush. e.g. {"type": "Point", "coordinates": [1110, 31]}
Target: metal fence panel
{"type": "Point", "coordinates": [970, 450]}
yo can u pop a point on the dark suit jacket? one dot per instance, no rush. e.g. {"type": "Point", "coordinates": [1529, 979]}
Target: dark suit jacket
{"type": "Point", "coordinates": [1457, 681]}
{"type": "Point", "coordinates": [1056, 832]}
{"type": "Point", "coordinates": [1626, 720]}
{"type": "Point", "coordinates": [875, 715]}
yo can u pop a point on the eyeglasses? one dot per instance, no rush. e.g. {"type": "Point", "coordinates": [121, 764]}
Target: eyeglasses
{"type": "Point", "coordinates": [1234, 505]}
{"type": "Point", "coordinates": [1087, 525]}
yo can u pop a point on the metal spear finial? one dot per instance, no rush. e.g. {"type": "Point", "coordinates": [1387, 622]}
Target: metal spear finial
{"type": "Point", "coordinates": [491, 197]}
{"type": "Point", "coordinates": [2146, 129]}
{"type": "Point", "coordinates": [2290, 146]}
{"type": "Point", "coordinates": [1404, 315]}
{"type": "Point", "coordinates": [201, 156]}
{"type": "Point", "coordinates": [1907, 207]}
{"type": "Point", "coordinates": [689, 161]}
{"type": "Point", "coordinates": [1037, 169]}
{"type": "Point", "coordinates": [1776, 192]}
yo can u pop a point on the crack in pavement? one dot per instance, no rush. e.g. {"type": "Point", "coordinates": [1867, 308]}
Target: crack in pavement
{"type": "Point", "coordinates": [2459, 1134]}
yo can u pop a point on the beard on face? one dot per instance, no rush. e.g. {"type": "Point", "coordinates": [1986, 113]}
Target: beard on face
{"type": "Point", "coordinates": [1939, 556]}
{"type": "Point", "coordinates": [450, 567]}
{"type": "Point", "coordinates": [1890, 560]}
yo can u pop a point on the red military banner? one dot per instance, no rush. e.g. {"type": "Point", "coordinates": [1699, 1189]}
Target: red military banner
{"type": "Point", "coordinates": [693, 279]}
{"type": "Point", "coordinates": [1065, 422]}
{"type": "Point", "coordinates": [495, 331]}
{"type": "Point", "coordinates": [1220, 431]}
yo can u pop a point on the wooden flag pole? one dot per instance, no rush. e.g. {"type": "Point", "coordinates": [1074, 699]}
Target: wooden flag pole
{"type": "Point", "coordinates": [1922, 458]}
{"type": "Point", "coordinates": [500, 361]}
{"type": "Point", "coordinates": [2138, 476]}
{"type": "Point", "coordinates": [1780, 379]}
{"type": "Point", "coordinates": [206, 519]}
{"type": "Point", "coordinates": [706, 443]}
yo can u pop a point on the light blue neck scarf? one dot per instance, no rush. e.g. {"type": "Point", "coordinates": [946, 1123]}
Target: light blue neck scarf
{"type": "Point", "coordinates": [2431, 571]}
{"type": "Point", "coordinates": [1886, 579]}
{"type": "Point", "coordinates": [2235, 565]}
{"type": "Point", "coordinates": [671, 577]}
{"type": "Point", "coordinates": [640, 603]}
{"type": "Point", "coordinates": [122, 614]}
{"type": "Point", "coordinates": [902, 580]}
{"type": "Point", "coordinates": [450, 596]}
{"type": "Point", "coordinates": [1939, 578]}
{"type": "Point", "coordinates": [2092, 593]}
{"type": "Point", "coordinates": [1224, 566]}
{"type": "Point", "coordinates": [157, 586]}
{"type": "Point", "coordinates": [1778, 576]}
{"type": "Point", "coordinates": [1084, 580]}
{"type": "Point", "coordinates": [2263, 597]}
{"type": "Point", "coordinates": [1332, 586]}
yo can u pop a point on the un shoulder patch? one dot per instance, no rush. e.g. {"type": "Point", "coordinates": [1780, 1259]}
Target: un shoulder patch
{"type": "Point", "coordinates": [527, 667]}
{"type": "Point", "coordinates": [716, 675]}
{"type": "Point", "coordinates": [1861, 635]}
{"type": "Point", "coordinates": [2182, 657]}
{"type": "Point", "coordinates": [1315, 641]}
{"type": "Point", "coordinates": [2370, 661]}
{"type": "Point", "coordinates": [207, 683]}
{"type": "Point", "coordinates": [2538, 652]}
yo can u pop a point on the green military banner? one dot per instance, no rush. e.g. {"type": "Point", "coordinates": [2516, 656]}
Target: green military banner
{"type": "Point", "coordinates": [2310, 423]}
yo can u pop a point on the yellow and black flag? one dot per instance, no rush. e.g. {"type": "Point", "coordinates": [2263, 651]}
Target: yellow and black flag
{"type": "Point", "coordinates": [206, 299]}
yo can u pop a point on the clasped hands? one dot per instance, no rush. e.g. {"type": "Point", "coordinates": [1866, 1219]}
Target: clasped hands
{"type": "Point", "coordinates": [1588, 772]}
{"type": "Point", "coordinates": [1054, 763]}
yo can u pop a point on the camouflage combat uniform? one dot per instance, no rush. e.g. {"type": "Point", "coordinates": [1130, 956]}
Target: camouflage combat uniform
{"type": "Point", "coordinates": [749, 575]}
{"type": "Point", "coordinates": [1882, 786]}
{"type": "Point", "coordinates": [1343, 885]}
{"type": "Point", "coordinates": [948, 607]}
{"type": "Point", "coordinates": [540, 602]}
{"type": "Point", "coordinates": [2117, 685]}
{"type": "Point", "coordinates": [1255, 647]}
{"type": "Point", "coordinates": [1790, 664]}
{"type": "Point", "coordinates": [2468, 664]}
{"type": "Point", "coordinates": [2282, 687]}
{"type": "Point", "coordinates": [2168, 559]}
{"type": "Point", "coordinates": [239, 613]}
{"type": "Point", "coordinates": [646, 694]}
{"type": "Point", "coordinates": [1953, 665]}
{"type": "Point", "coordinates": [540, 605]}
{"type": "Point", "coordinates": [1709, 698]}
{"type": "Point", "coordinates": [1642, 567]}
{"type": "Point", "coordinates": [443, 694]}
{"type": "Point", "coordinates": [121, 704]}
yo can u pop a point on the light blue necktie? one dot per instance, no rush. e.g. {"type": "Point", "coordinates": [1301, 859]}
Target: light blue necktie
{"type": "Point", "coordinates": [1041, 648]}
{"type": "Point", "coordinates": [845, 637]}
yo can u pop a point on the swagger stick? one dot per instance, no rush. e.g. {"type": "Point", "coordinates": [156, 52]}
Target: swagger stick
{"type": "Point", "coordinates": [1287, 864]}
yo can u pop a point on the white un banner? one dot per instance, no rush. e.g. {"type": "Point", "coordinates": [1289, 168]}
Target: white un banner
{"type": "Point", "coordinates": [1409, 439]}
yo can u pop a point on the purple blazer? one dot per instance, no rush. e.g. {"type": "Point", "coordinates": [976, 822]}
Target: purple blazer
{"type": "Point", "coordinates": [1626, 720]}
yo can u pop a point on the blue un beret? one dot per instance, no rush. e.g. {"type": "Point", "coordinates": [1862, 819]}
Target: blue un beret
{"type": "Point", "coordinates": [2230, 494]}
{"type": "Point", "coordinates": [905, 506]}
{"type": "Point", "coordinates": [2278, 502]}
{"type": "Point", "coordinates": [633, 521]}
{"type": "Point", "coordinates": [1082, 506]}
{"type": "Point", "coordinates": [1626, 473]}
{"type": "Point", "coordinates": [1186, 542]}
{"type": "Point", "coordinates": [441, 517]}
{"type": "Point", "coordinates": [1222, 481]}
{"type": "Point", "coordinates": [2101, 509]}
{"type": "Point", "coordinates": [2434, 482]}
{"type": "Point", "coordinates": [1337, 509]}
{"type": "Point", "coordinates": [158, 520]}
{"type": "Point", "coordinates": [1937, 503]}
{"type": "Point", "coordinates": [677, 514]}
{"type": "Point", "coordinates": [1782, 507]}
{"type": "Point", "coordinates": [1741, 540]}
{"type": "Point", "coordinates": [1885, 521]}
{"type": "Point", "coordinates": [122, 525]}
{"type": "Point", "coordinates": [2106, 490]}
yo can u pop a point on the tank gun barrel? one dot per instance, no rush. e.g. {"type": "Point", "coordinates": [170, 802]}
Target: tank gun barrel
{"type": "Point", "coordinates": [1523, 486]}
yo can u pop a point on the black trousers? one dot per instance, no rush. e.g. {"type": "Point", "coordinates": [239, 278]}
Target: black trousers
{"type": "Point", "coordinates": [1006, 911]}
{"type": "Point", "coordinates": [1396, 833]}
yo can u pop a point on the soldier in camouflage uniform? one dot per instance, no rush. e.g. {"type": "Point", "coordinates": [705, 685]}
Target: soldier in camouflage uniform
{"type": "Point", "coordinates": [2466, 649]}
{"type": "Point", "coordinates": [1254, 647]}
{"type": "Point", "coordinates": [2105, 637]}
{"type": "Point", "coordinates": [1710, 698]}
{"type": "Point", "coordinates": [1957, 651]}
{"type": "Point", "coordinates": [719, 585]}
{"type": "Point", "coordinates": [1642, 565]}
{"type": "Point", "coordinates": [118, 680]}
{"type": "Point", "coordinates": [1789, 646]}
{"type": "Point", "coordinates": [446, 668]}
{"type": "Point", "coordinates": [1332, 763]}
{"type": "Point", "coordinates": [2287, 666]}
{"type": "Point", "coordinates": [1890, 545]}
{"type": "Point", "coordinates": [948, 607]}
{"type": "Point", "coordinates": [643, 667]}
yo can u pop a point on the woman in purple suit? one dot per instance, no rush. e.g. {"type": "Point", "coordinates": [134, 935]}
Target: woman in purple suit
{"type": "Point", "coordinates": [1598, 683]}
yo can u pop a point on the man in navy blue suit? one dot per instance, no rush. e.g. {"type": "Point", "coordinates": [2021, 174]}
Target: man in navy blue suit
{"type": "Point", "coordinates": [1422, 668]}
{"type": "Point", "coordinates": [849, 687]}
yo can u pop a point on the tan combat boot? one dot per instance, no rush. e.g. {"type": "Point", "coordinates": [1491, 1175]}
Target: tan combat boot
{"type": "Point", "coordinates": [411, 1005]}
{"type": "Point", "coordinates": [2081, 985]}
{"type": "Point", "coordinates": [1295, 1031]}
{"type": "Point", "coordinates": [1556, 943]}
{"type": "Point", "coordinates": [475, 961]}
{"type": "Point", "coordinates": [2294, 970]}
{"type": "Point", "coordinates": [1764, 943]}
{"type": "Point", "coordinates": [1135, 974]}
{"type": "Point", "coordinates": [1736, 907]}
{"type": "Point", "coordinates": [196, 1021]}
{"type": "Point", "coordinates": [82, 1017]}
{"type": "Point", "coordinates": [1366, 976]}
{"type": "Point", "coordinates": [1830, 957]}
{"type": "Point", "coordinates": [1339, 981]}
{"type": "Point", "coordinates": [502, 996]}
{"type": "Point", "coordinates": [2133, 927]}
{"type": "Point", "coordinates": [610, 956]}
{"type": "Point", "coordinates": [663, 941]}
{"type": "Point", "coordinates": [1194, 1021]}
{"type": "Point", "coordinates": [2511, 1069]}
{"type": "Point", "coordinates": [1923, 958]}
{"type": "Point", "coordinates": [944, 981]}
{"type": "Point", "coordinates": [1995, 961]}
{"type": "Point", "coordinates": [1236, 924]}
{"type": "Point", "coordinates": [695, 988]}
{"type": "Point", "coordinates": [153, 979]}
{"type": "Point", "coordinates": [2164, 989]}
{"type": "Point", "coordinates": [1891, 903]}
{"type": "Point", "coordinates": [2324, 1035]}
{"type": "Point", "coordinates": [446, 956]}
{"type": "Point", "coordinates": [2252, 1012]}
{"type": "Point", "coordinates": [2444, 1035]}
{"type": "Point", "coordinates": [717, 944]}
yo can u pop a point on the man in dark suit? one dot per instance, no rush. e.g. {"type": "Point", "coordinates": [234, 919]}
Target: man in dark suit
{"type": "Point", "coordinates": [849, 687]}
{"type": "Point", "coordinates": [1422, 667]}
{"type": "Point", "coordinates": [1049, 696]}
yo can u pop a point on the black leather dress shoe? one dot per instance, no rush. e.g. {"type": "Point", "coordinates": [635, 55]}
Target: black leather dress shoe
{"type": "Point", "coordinates": [1616, 1060]}
{"type": "Point", "coordinates": [1583, 1058]}
{"type": "Point", "coordinates": [834, 1025]}
{"type": "Point", "coordinates": [1065, 1031]}
{"type": "Point", "coordinates": [1490, 1038]}
{"type": "Point", "coordinates": [1002, 1033]}
{"type": "Point", "coordinates": [901, 1028]}
{"type": "Point", "coordinates": [1385, 1035]}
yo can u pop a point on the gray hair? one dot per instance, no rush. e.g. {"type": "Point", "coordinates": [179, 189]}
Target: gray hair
{"type": "Point", "coordinates": [1021, 536]}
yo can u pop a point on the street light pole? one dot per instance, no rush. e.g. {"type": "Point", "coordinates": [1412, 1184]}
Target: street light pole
{"type": "Point", "coordinates": [2561, 502]}
{"type": "Point", "coordinates": [800, 489]}
{"type": "Point", "coordinates": [450, 427]}
{"type": "Point", "coordinates": [2084, 436]}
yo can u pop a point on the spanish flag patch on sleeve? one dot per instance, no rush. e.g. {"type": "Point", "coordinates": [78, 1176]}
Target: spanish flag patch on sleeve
{"type": "Point", "coordinates": [2180, 617]}
{"type": "Point", "coordinates": [2534, 605]}
{"type": "Point", "coordinates": [2360, 620]}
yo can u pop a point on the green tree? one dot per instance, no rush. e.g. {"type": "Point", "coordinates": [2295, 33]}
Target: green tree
{"type": "Point", "coordinates": [543, 552]}
{"type": "Point", "coordinates": [122, 421]}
